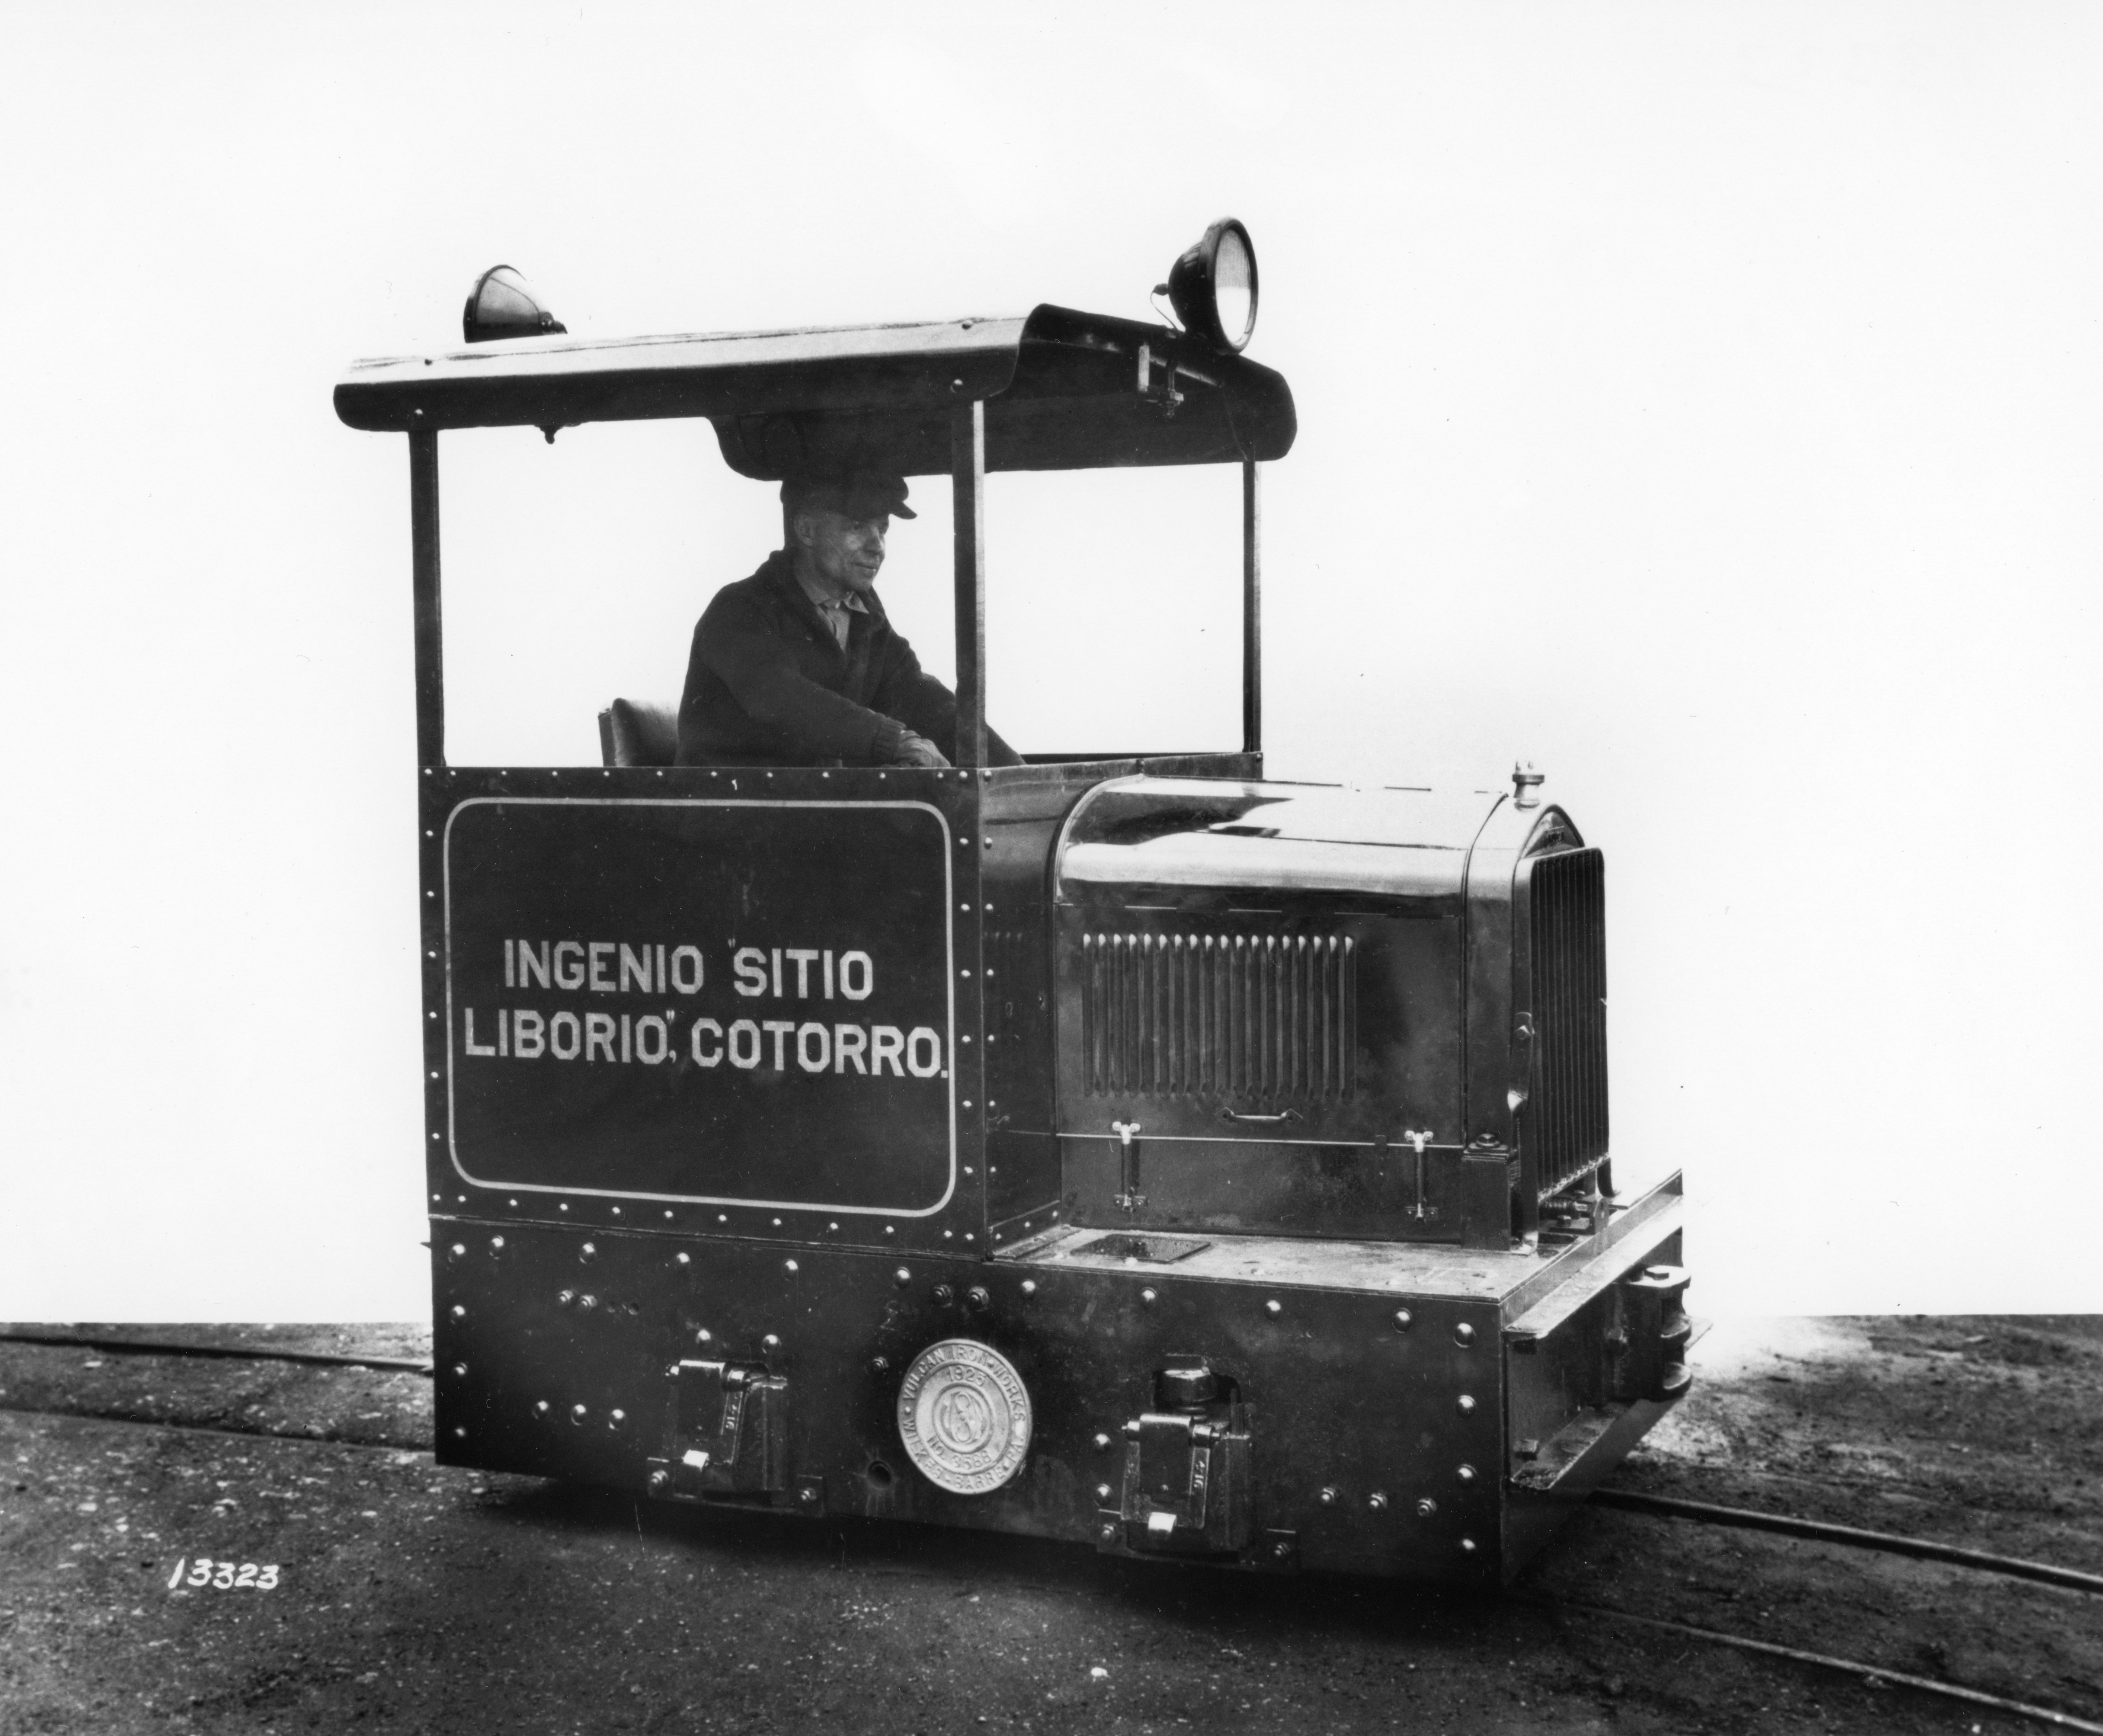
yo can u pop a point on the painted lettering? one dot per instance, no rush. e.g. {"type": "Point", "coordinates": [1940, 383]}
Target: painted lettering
{"type": "Point", "coordinates": [571, 976]}
{"type": "Point", "coordinates": [529, 1034]}
{"type": "Point", "coordinates": [653, 1042]}
{"type": "Point", "coordinates": [532, 964]}
{"type": "Point", "coordinates": [744, 1044]}
{"type": "Point", "coordinates": [602, 975]}
{"type": "Point", "coordinates": [853, 965]}
{"type": "Point", "coordinates": [473, 1047]}
{"type": "Point", "coordinates": [779, 1030]}
{"type": "Point", "coordinates": [686, 970]}
{"type": "Point", "coordinates": [804, 1058]}
{"type": "Point", "coordinates": [556, 1032]}
{"type": "Point", "coordinates": [850, 1044]}
{"type": "Point", "coordinates": [920, 1033]}
{"type": "Point", "coordinates": [751, 965]}
{"type": "Point", "coordinates": [598, 1034]}
{"type": "Point", "coordinates": [635, 969]}
{"type": "Point", "coordinates": [713, 1055]}
{"type": "Point", "coordinates": [885, 1043]}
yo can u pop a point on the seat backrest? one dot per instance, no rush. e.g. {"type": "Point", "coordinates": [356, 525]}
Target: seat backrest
{"type": "Point", "coordinates": [635, 733]}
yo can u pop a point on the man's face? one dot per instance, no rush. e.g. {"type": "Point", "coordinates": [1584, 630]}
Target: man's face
{"type": "Point", "coordinates": [846, 553]}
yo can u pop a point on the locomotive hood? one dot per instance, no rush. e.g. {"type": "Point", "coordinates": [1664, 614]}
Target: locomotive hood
{"type": "Point", "coordinates": [1185, 835]}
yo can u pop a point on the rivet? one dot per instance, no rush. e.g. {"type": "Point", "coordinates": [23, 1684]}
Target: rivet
{"type": "Point", "coordinates": [903, 1275]}
{"type": "Point", "coordinates": [1029, 1287]}
{"type": "Point", "coordinates": [889, 1230]}
{"type": "Point", "coordinates": [616, 1419]}
{"type": "Point", "coordinates": [1274, 1308]}
{"type": "Point", "coordinates": [943, 1295]}
{"type": "Point", "coordinates": [564, 1298]}
{"type": "Point", "coordinates": [587, 1302]}
{"type": "Point", "coordinates": [1327, 1498]}
{"type": "Point", "coordinates": [458, 1250]}
{"type": "Point", "coordinates": [1282, 1549]}
{"type": "Point", "coordinates": [460, 1370]}
{"type": "Point", "coordinates": [1110, 1534]}
{"type": "Point", "coordinates": [1426, 1507]}
{"type": "Point", "coordinates": [686, 1259]}
{"type": "Point", "coordinates": [460, 1313]}
{"type": "Point", "coordinates": [1104, 1443]}
{"type": "Point", "coordinates": [616, 1211]}
{"type": "Point", "coordinates": [578, 1413]}
{"type": "Point", "coordinates": [1467, 1546]}
{"type": "Point", "coordinates": [770, 1342]}
{"type": "Point", "coordinates": [722, 1217]}
{"type": "Point", "coordinates": [1464, 1334]}
{"type": "Point", "coordinates": [1102, 1492]}
{"type": "Point", "coordinates": [1467, 1405]}
{"type": "Point", "coordinates": [705, 1337]}
{"type": "Point", "coordinates": [790, 1266]}
{"type": "Point", "coordinates": [832, 1226]}
{"type": "Point", "coordinates": [777, 1223]}
{"type": "Point", "coordinates": [976, 1297]}
{"type": "Point", "coordinates": [1402, 1320]}
{"type": "Point", "coordinates": [1151, 1296]}
{"type": "Point", "coordinates": [671, 1371]}
{"type": "Point", "coordinates": [880, 1363]}
{"type": "Point", "coordinates": [810, 1494]}
{"type": "Point", "coordinates": [1466, 1473]}
{"type": "Point", "coordinates": [659, 1478]}
{"type": "Point", "coordinates": [540, 1409]}
{"type": "Point", "coordinates": [459, 1434]}
{"type": "Point", "coordinates": [1377, 1502]}
{"type": "Point", "coordinates": [496, 1244]}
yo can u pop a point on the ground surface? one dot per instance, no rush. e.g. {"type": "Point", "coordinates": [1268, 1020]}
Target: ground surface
{"type": "Point", "coordinates": [412, 1598]}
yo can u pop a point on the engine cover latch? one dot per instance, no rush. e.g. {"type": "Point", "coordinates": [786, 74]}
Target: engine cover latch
{"type": "Point", "coordinates": [1186, 1477]}
{"type": "Point", "coordinates": [726, 1433]}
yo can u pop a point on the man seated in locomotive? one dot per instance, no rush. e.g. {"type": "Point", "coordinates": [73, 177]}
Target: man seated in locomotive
{"type": "Point", "coordinates": [798, 664]}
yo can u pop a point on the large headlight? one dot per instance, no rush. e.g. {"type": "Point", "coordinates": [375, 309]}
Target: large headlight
{"type": "Point", "coordinates": [1212, 287]}
{"type": "Point", "coordinates": [501, 305]}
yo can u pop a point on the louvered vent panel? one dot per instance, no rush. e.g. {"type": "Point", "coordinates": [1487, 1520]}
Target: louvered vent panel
{"type": "Point", "coordinates": [1263, 1018]}
{"type": "Point", "coordinates": [1567, 1113]}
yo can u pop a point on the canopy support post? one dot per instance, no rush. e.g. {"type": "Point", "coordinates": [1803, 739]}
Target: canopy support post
{"type": "Point", "coordinates": [967, 489]}
{"type": "Point", "coordinates": [424, 556]}
{"type": "Point", "coordinates": [1251, 614]}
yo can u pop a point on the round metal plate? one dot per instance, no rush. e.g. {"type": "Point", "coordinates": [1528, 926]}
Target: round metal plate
{"type": "Point", "coordinates": [964, 1416]}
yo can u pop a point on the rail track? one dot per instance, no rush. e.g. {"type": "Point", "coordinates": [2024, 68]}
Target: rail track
{"type": "Point", "coordinates": [1790, 1525]}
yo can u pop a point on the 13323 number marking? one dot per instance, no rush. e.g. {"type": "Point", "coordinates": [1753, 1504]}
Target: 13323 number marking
{"type": "Point", "coordinates": [224, 1576]}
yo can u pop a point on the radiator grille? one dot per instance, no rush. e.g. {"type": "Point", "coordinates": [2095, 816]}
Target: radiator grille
{"type": "Point", "coordinates": [1566, 1123]}
{"type": "Point", "coordinates": [1267, 1017]}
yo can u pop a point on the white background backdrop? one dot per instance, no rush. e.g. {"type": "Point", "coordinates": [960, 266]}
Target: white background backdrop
{"type": "Point", "coordinates": [1704, 402]}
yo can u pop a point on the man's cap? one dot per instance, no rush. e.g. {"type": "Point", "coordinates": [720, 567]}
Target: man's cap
{"type": "Point", "coordinates": [855, 494]}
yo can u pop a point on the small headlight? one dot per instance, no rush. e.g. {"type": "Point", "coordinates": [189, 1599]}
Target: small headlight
{"type": "Point", "coordinates": [1212, 287]}
{"type": "Point", "coordinates": [501, 305]}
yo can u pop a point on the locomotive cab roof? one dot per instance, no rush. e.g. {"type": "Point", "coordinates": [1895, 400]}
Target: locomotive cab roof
{"type": "Point", "coordinates": [1063, 390]}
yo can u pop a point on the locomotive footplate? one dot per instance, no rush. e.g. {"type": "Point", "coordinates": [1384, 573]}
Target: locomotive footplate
{"type": "Point", "coordinates": [1258, 1404]}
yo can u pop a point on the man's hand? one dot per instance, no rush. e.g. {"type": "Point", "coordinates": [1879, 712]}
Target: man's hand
{"type": "Point", "coordinates": [917, 751]}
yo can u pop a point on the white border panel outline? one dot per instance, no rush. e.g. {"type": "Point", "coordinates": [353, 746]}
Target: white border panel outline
{"type": "Point", "coordinates": [949, 991]}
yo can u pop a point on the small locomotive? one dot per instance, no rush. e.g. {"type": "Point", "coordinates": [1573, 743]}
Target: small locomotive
{"type": "Point", "coordinates": [1124, 1150]}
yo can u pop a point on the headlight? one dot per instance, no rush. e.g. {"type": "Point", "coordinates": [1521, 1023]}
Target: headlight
{"type": "Point", "coordinates": [1212, 287]}
{"type": "Point", "coordinates": [501, 305]}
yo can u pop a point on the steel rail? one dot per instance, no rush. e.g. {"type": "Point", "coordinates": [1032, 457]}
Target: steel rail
{"type": "Point", "coordinates": [227, 1352]}
{"type": "Point", "coordinates": [1868, 1673]}
{"type": "Point", "coordinates": [1751, 1519]}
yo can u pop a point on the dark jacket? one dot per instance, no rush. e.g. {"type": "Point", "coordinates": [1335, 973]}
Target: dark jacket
{"type": "Point", "coordinates": [767, 684]}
